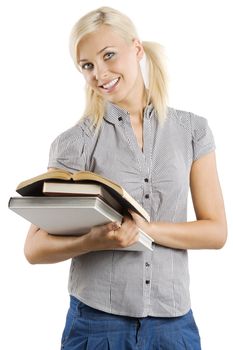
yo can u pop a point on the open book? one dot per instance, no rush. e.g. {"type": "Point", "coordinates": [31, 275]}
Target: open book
{"type": "Point", "coordinates": [34, 187]}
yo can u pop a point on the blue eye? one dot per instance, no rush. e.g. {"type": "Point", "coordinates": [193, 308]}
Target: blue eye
{"type": "Point", "coordinates": [109, 55]}
{"type": "Point", "coordinates": [87, 66]}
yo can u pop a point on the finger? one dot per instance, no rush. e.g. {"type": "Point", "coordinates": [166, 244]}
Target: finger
{"type": "Point", "coordinates": [126, 239]}
{"type": "Point", "coordinates": [133, 232]}
{"type": "Point", "coordinates": [134, 239]}
{"type": "Point", "coordinates": [132, 242]}
{"type": "Point", "coordinates": [128, 222]}
{"type": "Point", "coordinates": [125, 234]}
{"type": "Point", "coordinates": [108, 227]}
{"type": "Point", "coordinates": [126, 218]}
{"type": "Point", "coordinates": [129, 226]}
{"type": "Point", "coordinates": [114, 234]}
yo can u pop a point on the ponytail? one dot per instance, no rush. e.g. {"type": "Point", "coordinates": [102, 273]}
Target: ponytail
{"type": "Point", "coordinates": [157, 78]}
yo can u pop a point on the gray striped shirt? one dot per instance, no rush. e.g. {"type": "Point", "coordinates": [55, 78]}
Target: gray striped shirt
{"type": "Point", "coordinates": [137, 284]}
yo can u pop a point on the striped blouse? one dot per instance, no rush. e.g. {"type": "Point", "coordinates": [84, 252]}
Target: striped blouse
{"type": "Point", "coordinates": [149, 283]}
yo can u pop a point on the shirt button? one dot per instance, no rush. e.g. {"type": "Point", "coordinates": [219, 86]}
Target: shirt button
{"type": "Point", "coordinates": [120, 118]}
{"type": "Point", "coordinates": [147, 264]}
{"type": "Point", "coordinates": [147, 196]}
{"type": "Point", "coordinates": [146, 180]}
{"type": "Point", "coordinates": [147, 281]}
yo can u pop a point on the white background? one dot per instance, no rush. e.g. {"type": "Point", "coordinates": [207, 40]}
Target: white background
{"type": "Point", "coordinates": [42, 95]}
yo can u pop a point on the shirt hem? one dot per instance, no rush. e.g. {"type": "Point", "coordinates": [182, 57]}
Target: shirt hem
{"type": "Point", "coordinates": [111, 310]}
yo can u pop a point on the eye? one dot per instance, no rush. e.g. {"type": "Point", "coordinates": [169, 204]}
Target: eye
{"type": "Point", "coordinates": [109, 55]}
{"type": "Point", "coordinates": [87, 66]}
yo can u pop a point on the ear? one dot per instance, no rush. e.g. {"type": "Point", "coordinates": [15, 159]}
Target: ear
{"type": "Point", "coordinates": [139, 49]}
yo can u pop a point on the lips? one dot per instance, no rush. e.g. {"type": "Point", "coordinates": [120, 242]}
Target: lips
{"type": "Point", "coordinates": [110, 85]}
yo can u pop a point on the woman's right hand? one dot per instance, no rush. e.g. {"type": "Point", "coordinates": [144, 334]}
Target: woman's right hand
{"type": "Point", "coordinates": [112, 235]}
{"type": "Point", "coordinates": [43, 248]}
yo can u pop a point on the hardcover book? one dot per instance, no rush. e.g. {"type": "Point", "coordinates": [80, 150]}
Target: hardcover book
{"type": "Point", "coordinates": [34, 187]}
{"type": "Point", "coordinates": [72, 216]}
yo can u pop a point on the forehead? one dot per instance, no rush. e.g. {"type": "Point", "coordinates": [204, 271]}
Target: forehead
{"type": "Point", "coordinates": [93, 42]}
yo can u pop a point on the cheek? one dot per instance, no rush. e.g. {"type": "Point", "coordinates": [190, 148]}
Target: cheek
{"type": "Point", "coordinates": [126, 69]}
{"type": "Point", "coordinates": [130, 66]}
{"type": "Point", "coordinates": [131, 72]}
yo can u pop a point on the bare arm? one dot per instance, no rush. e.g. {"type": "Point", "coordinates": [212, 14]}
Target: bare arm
{"type": "Point", "coordinates": [40, 247]}
{"type": "Point", "coordinates": [210, 229]}
{"type": "Point", "coordinates": [43, 248]}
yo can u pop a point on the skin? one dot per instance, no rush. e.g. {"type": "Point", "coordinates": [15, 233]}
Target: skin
{"type": "Point", "coordinates": [104, 56]}
{"type": "Point", "coordinates": [118, 60]}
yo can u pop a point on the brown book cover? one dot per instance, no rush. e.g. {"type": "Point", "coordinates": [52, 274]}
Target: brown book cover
{"type": "Point", "coordinates": [81, 189]}
{"type": "Point", "coordinates": [34, 187]}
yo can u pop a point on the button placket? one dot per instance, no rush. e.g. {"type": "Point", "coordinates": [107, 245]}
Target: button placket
{"type": "Point", "coordinates": [146, 192]}
{"type": "Point", "coordinates": [147, 284]}
{"type": "Point", "coordinates": [133, 143]}
{"type": "Point", "coordinates": [148, 151]}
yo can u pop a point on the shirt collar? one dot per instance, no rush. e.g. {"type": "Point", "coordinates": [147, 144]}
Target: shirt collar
{"type": "Point", "coordinates": [116, 114]}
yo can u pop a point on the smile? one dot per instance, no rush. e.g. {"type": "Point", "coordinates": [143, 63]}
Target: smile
{"type": "Point", "coordinates": [109, 86]}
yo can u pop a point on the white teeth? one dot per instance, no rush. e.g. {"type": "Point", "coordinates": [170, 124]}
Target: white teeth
{"type": "Point", "coordinates": [111, 84]}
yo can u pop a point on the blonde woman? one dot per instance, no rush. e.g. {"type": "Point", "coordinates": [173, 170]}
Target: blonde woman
{"type": "Point", "coordinates": [121, 299]}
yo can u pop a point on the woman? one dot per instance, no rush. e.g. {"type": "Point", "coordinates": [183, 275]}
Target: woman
{"type": "Point", "coordinates": [123, 299]}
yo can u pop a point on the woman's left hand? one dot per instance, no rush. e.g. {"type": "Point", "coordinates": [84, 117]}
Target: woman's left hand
{"type": "Point", "coordinates": [140, 221]}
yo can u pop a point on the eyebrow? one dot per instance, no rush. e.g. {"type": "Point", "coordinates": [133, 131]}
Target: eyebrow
{"type": "Point", "coordinates": [85, 60]}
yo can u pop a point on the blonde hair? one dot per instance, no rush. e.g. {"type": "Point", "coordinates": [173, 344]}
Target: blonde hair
{"type": "Point", "coordinates": [120, 23]}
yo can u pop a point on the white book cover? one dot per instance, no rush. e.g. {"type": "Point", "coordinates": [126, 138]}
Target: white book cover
{"type": "Point", "coordinates": [71, 216]}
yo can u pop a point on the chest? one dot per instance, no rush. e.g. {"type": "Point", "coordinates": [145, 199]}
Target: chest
{"type": "Point", "coordinates": [131, 154]}
{"type": "Point", "coordinates": [137, 129]}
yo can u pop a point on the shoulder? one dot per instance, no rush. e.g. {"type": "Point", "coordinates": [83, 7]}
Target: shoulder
{"type": "Point", "coordinates": [190, 121]}
{"type": "Point", "coordinates": [69, 150]}
{"type": "Point", "coordinates": [196, 129]}
{"type": "Point", "coordinates": [80, 132]}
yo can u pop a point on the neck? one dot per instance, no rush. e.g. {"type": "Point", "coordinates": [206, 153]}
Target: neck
{"type": "Point", "coordinates": [135, 103]}
{"type": "Point", "coordinates": [135, 107]}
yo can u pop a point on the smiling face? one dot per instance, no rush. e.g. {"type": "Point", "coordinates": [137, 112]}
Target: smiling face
{"type": "Point", "coordinates": [111, 67]}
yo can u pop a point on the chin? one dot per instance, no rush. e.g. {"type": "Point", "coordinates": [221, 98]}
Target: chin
{"type": "Point", "coordinates": [116, 99]}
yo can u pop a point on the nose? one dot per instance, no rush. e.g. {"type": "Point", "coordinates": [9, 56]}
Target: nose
{"type": "Point", "coordinates": [100, 71]}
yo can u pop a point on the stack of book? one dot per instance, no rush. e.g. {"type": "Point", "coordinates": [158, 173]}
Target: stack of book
{"type": "Point", "coordinates": [64, 203]}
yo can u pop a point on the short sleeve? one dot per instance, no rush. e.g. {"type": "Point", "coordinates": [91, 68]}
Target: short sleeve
{"type": "Point", "coordinates": [67, 151]}
{"type": "Point", "coordinates": [202, 137]}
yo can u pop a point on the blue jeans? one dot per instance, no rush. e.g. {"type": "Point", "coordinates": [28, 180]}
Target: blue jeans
{"type": "Point", "coordinates": [90, 329]}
